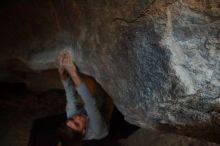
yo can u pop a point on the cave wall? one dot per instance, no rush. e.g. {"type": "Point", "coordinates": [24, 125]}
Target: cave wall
{"type": "Point", "coordinates": [158, 60]}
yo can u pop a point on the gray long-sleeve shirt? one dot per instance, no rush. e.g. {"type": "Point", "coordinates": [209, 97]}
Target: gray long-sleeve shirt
{"type": "Point", "coordinates": [96, 126]}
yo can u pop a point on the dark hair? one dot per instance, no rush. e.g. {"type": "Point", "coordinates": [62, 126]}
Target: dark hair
{"type": "Point", "coordinates": [68, 136]}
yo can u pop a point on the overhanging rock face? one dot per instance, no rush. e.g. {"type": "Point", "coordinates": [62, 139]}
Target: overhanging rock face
{"type": "Point", "coordinates": [160, 61]}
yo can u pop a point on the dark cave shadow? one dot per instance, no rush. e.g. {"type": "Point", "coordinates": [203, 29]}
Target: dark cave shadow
{"type": "Point", "coordinates": [19, 90]}
{"type": "Point", "coordinates": [43, 132]}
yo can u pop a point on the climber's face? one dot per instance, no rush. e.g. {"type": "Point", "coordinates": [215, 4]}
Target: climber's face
{"type": "Point", "coordinates": [78, 123]}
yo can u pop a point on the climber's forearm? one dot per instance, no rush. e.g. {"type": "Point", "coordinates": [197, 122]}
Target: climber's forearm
{"type": "Point", "coordinates": [75, 78]}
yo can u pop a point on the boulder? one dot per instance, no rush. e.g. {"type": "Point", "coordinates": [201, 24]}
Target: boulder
{"type": "Point", "coordinates": [158, 60]}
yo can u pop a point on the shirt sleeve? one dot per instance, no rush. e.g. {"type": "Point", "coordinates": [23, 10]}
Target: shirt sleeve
{"type": "Point", "coordinates": [70, 91]}
{"type": "Point", "coordinates": [96, 123]}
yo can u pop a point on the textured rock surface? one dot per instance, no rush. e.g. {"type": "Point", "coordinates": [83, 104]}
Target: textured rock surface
{"type": "Point", "coordinates": [159, 60]}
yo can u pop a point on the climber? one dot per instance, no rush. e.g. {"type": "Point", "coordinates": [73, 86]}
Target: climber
{"type": "Point", "coordinates": [83, 122]}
